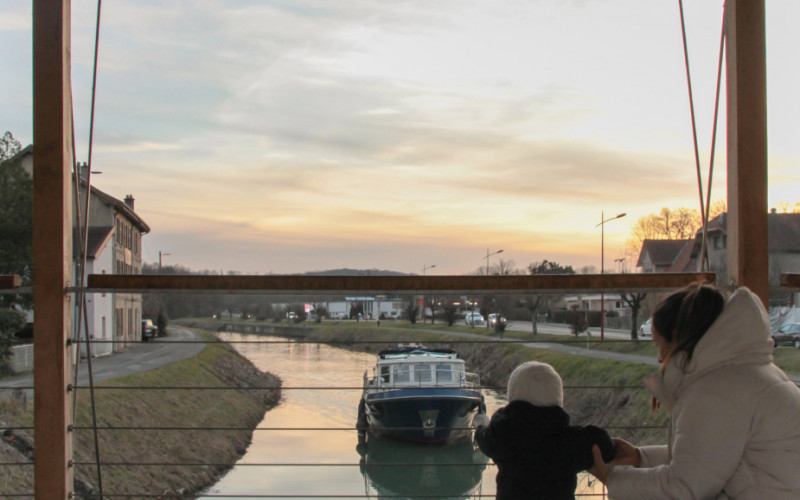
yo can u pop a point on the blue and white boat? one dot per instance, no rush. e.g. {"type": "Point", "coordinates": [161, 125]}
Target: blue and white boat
{"type": "Point", "coordinates": [420, 394]}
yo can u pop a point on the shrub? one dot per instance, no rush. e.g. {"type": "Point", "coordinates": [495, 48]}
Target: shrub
{"type": "Point", "coordinates": [11, 322]}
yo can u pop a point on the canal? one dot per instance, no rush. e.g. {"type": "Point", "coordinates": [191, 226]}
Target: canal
{"type": "Point", "coordinates": [300, 456]}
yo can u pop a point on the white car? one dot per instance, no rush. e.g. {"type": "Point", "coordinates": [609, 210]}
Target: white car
{"type": "Point", "coordinates": [473, 319]}
{"type": "Point", "coordinates": [646, 329]}
{"type": "Point", "coordinates": [494, 318]}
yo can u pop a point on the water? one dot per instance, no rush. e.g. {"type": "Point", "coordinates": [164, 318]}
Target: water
{"type": "Point", "coordinates": [341, 466]}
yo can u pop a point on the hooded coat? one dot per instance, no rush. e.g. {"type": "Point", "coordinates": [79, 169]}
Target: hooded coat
{"type": "Point", "coordinates": [537, 452]}
{"type": "Point", "coordinates": [734, 419]}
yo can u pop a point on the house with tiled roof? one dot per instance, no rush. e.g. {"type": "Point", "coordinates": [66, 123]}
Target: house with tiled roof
{"type": "Point", "coordinates": [114, 246]}
{"type": "Point", "coordinates": [683, 255]}
{"type": "Point", "coordinates": [661, 256]}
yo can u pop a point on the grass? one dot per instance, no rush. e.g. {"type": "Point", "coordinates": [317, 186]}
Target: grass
{"type": "Point", "coordinates": [215, 366]}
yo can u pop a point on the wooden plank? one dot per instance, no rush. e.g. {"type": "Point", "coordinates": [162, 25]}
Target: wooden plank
{"type": "Point", "coordinates": [52, 247]}
{"type": "Point", "coordinates": [791, 280]}
{"type": "Point", "coordinates": [10, 281]}
{"type": "Point", "coordinates": [747, 145]}
{"type": "Point", "coordinates": [290, 284]}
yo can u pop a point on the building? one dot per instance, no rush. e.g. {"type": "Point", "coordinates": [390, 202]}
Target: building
{"type": "Point", "coordinates": [666, 256]}
{"type": "Point", "coordinates": [783, 244]}
{"type": "Point", "coordinates": [114, 246]}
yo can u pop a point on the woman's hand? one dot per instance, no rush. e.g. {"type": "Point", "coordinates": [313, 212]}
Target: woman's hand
{"type": "Point", "coordinates": [600, 469]}
{"type": "Point", "coordinates": [627, 454]}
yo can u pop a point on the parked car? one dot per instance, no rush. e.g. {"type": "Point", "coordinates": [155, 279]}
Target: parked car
{"type": "Point", "coordinates": [646, 329]}
{"type": "Point", "coordinates": [788, 334]}
{"type": "Point", "coordinates": [291, 316]}
{"type": "Point", "coordinates": [494, 318]}
{"type": "Point", "coordinates": [149, 330]}
{"type": "Point", "coordinates": [473, 319]}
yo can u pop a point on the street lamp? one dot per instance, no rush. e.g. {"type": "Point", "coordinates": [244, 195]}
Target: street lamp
{"type": "Point", "coordinates": [161, 254]}
{"type": "Point", "coordinates": [602, 265]}
{"type": "Point", "coordinates": [487, 274]}
{"type": "Point", "coordinates": [621, 261]}
{"type": "Point", "coordinates": [425, 268]}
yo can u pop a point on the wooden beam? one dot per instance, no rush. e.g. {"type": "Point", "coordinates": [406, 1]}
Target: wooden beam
{"type": "Point", "coordinates": [10, 281]}
{"type": "Point", "coordinates": [310, 285]}
{"type": "Point", "coordinates": [52, 248]}
{"type": "Point", "coordinates": [791, 280]}
{"type": "Point", "coordinates": [746, 72]}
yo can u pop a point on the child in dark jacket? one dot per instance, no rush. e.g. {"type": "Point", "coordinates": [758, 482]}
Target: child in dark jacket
{"type": "Point", "coordinates": [537, 453]}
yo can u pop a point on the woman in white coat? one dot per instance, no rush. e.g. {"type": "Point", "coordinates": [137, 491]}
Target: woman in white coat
{"type": "Point", "coordinates": [734, 416]}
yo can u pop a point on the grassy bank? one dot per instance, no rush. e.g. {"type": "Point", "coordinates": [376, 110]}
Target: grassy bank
{"type": "Point", "coordinates": [130, 411]}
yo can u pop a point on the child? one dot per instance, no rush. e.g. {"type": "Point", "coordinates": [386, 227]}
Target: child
{"type": "Point", "coordinates": [537, 453]}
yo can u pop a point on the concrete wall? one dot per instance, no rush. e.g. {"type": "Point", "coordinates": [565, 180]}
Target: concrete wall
{"type": "Point", "coordinates": [22, 358]}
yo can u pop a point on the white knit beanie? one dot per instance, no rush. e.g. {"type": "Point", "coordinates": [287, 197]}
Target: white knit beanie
{"type": "Point", "coordinates": [537, 383]}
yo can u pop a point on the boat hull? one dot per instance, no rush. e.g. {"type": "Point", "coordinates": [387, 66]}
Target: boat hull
{"type": "Point", "coordinates": [422, 415]}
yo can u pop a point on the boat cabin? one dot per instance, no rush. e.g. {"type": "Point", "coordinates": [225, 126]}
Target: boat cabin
{"type": "Point", "coordinates": [419, 366]}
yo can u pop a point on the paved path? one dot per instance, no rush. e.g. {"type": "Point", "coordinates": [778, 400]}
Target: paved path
{"type": "Point", "coordinates": [136, 358]}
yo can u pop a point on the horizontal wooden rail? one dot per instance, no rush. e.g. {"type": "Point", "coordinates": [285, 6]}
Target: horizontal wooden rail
{"type": "Point", "coordinates": [309, 285]}
{"type": "Point", "coordinates": [10, 281]}
{"type": "Point", "coordinates": [790, 280]}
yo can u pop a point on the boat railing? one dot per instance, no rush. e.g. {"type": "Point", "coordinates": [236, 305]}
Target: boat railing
{"type": "Point", "coordinates": [461, 380]}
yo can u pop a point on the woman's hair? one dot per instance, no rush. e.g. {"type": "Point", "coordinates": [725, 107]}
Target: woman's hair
{"type": "Point", "coordinates": [685, 316]}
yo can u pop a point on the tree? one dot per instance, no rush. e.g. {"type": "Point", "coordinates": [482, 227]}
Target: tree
{"type": "Point", "coordinates": [450, 312]}
{"type": "Point", "coordinates": [411, 310]}
{"type": "Point", "coordinates": [535, 301]}
{"type": "Point", "coordinates": [787, 208]}
{"type": "Point", "coordinates": [8, 146]}
{"type": "Point", "coordinates": [634, 301]}
{"type": "Point", "coordinates": [16, 218]}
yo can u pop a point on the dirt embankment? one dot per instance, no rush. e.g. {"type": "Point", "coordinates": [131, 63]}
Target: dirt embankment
{"type": "Point", "coordinates": [172, 461]}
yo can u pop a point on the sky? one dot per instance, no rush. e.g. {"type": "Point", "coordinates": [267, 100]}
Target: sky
{"type": "Point", "coordinates": [290, 136]}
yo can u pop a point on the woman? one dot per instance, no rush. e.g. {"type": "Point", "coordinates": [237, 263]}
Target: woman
{"type": "Point", "coordinates": [734, 416]}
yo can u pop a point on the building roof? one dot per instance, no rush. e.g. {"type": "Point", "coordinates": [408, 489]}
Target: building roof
{"type": "Point", "coordinates": [106, 198]}
{"type": "Point", "coordinates": [97, 240]}
{"type": "Point", "coordinates": [120, 206]}
{"type": "Point", "coordinates": [662, 252]}
{"type": "Point", "coordinates": [784, 232]}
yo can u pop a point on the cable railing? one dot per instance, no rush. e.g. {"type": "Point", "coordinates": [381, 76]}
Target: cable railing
{"type": "Point", "coordinates": [108, 283]}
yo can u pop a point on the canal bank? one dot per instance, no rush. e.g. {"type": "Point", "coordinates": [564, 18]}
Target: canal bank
{"type": "Point", "coordinates": [194, 427]}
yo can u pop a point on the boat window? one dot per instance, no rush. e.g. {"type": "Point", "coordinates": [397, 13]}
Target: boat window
{"type": "Point", "coordinates": [401, 373]}
{"type": "Point", "coordinates": [385, 374]}
{"type": "Point", "coordinates": [422, 373]}
{"type": "Point", "coordinates": [444, 373]}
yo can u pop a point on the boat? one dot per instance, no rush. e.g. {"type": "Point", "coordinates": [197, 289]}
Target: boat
{"type": "Point", "coordinates": [420, 394]}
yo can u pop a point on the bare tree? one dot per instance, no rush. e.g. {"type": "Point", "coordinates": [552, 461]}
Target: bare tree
{"type": "Point", "coordinates": [634, 301]}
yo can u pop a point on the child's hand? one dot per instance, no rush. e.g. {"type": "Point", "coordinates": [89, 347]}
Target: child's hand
{"type": "Point", "coordinates": [600, 469]}
{"type": "Point", "coordinates": [627, 454]}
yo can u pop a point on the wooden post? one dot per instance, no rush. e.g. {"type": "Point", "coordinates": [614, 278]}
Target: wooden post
{"type": "Point", "coordinates": [748, 257]}
{"type": "Point", "coordinates": [52, 248]}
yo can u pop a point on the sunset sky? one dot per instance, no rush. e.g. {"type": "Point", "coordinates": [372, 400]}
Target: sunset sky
{"type": "Point", "coordinates": [289, 136]}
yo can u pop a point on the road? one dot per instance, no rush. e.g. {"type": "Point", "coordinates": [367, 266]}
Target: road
{"type": "Point", "coordinates": [136, 358]}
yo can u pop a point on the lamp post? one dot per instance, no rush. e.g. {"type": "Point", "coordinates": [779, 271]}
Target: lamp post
{"type": "Point", "coordinates": [487, 274]}
{"type": "Point", "coordinates": [161, 254]}
{"type": "Point", "coordinates": [425, 268]}
{"type": "Point", "coordinates": [621, 261]}
{"type": "Point", "coordinates": [603, 220]}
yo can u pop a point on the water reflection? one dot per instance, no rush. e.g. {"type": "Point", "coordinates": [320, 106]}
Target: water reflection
{"type": "Point", "coordinates": [412, 470]}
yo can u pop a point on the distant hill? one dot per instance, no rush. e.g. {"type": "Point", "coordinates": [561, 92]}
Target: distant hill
{"type": "Point", "coordinates": [355, 272]}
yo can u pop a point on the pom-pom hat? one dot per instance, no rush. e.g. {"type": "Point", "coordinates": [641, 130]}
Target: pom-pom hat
{"type": "Point", "coordinates": [537, 383]}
